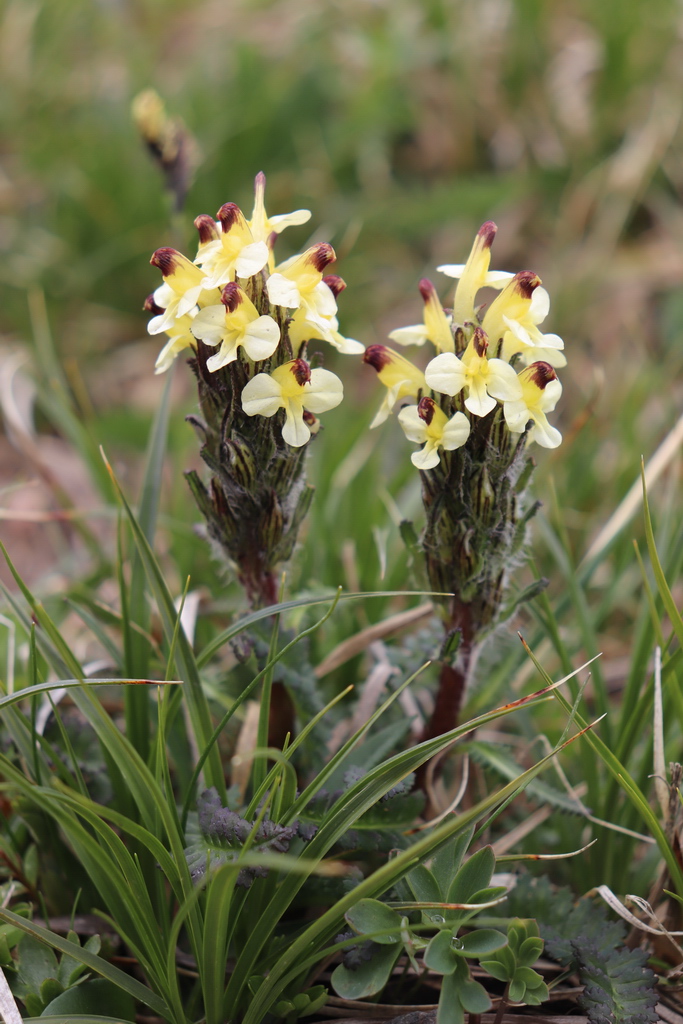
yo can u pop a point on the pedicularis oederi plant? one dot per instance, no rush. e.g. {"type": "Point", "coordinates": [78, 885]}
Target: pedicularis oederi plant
{"type": "Point", "coordinates": [247, 322]}
{"type": "Point", "coordinates": [474, 408]}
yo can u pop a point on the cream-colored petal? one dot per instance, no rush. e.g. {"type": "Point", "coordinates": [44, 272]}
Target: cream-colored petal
{"type": "Point", "coordinates": [173, 347]}
{"type": "Point", "coordinates": [226, 354]}
{"type": "Point", "coordinates": [548, 355]}
{"type": "Point", "coordinates": [540, 305]}
{"type": "Point", "coordinates": [282, 291]}
{"type": "Point", "coordinates": [164, 295]}
{"type": "Point", "coordinates": [252, 259]}
{"type": "Point", "coordinates": [412, 424]}
{"type": "Point", "coordinates": [321, 300]}
{"type": "Point", "coordinates": [497, 278]}
{"type": "Point", "coordinates": [157, 324]}
{"type": "Point", "coordinates": [502, 381]}
{"type": "Point", "coordinates": [542, 433]}
{"type": "Point", "coordinates": [446, 374]}
{"type": "Point", "coordinates": [262, 396]}
{"type": "Point", "coordinates": [552, 393]}
{"type": "Point", "coordinates": [209, 325]}
{"type": "Point", "coordinates": [479, 402]}
{"type": "Point", "coordinates": [189, 299]}
{"type": "Point", "coordinates": [295, 432]}
{"type": "Point", "coordinates": [261, 338]}
{"type": "Point", "coordinates": [427, 457]}
{"type": "Point", "coordinates": [281, 221]}
{"type": "Point", "coordinates": [324, 392]}
{"type": "Point", "coordinates": [456, 432]}
{"type": "Point", "coordinates": [517, 415]}
{"type": "Point", "coordinates": [414, 335]}
{"type": "Point", "coordinates": [452, 269]}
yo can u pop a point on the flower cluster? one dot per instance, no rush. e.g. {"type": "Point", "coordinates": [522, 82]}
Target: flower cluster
{"type": "Point", "coordinates": [246, 321]}
{"type": "Point", "coordinates": [473, 409]}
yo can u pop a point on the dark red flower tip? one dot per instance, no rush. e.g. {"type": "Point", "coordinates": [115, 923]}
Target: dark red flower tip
{"type": "Point", "coordinates": [231, 296]}
{"type": "Point", "coordinates": [309, 419]}
{"type": "Point", "coordinates": [377, 356]}
{"type": "Point", "coordinates": [427, 289]}
{"type": "Point", "coordinates": [480, 341]}
{"type": "Point", "coordinates": [206, 226]}
{"type": "Point", "coordinates": [425, 409]}
{"type": "Point", "coordinates": [301, 371]}
{"type": "Point", "coordinates": [541, 374]}
{"type": "Point", "coordinates": [150, 305]}
{"type": "Point", "coordinates": [526, 282]}
{"type": "Point", "coordinates": [228, 215]}
{"type": "Point", "coordinates": [322, 255]}
{"type": "Point", "coordinates": [335, 283]}
{"type": "Point", "coordinates": [487, 232]}
{"type": "Point", "coordinates": [166, 260]}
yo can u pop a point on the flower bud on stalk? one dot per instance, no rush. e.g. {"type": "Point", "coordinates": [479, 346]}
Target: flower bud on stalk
{"type": "Point", "coordinates": [475, 414]}
{"type": "Point", "coordinates": [259, 399]}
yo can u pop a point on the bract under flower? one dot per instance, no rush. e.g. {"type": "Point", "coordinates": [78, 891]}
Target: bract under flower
{"type": "Point", "coordinates": [427, 424]}
{"type": "Point", "coordinates": [231, 253]}
{"type": "Point", "coordinates": [296, 388]}
{"type": "Point", "coordinates": [399, 376]}
{"type": "Point", "coordinates": [235, 322]}
{"type": "Point", "coordinates": [484, 379]}
{"type": "Point", "coordinates": [474, 274]}
{"type": "Point", "coordinates": [541, 391]}
{"type": "Point", "coordinates": [435, 328]}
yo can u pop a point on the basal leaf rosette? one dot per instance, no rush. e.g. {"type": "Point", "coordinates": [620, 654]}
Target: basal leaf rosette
{"type": "Point", "coordinates": [246, 322]}
{"type": "Point", "coordinates": [474, 408]}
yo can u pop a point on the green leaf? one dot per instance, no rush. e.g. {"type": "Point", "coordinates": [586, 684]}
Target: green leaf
{"type": "Point", "coordinates": [370, 916]}
{"type": "Point", "coordinates": [424, 885]}
{"type": "Point", "coordinates": [89, 997]}
{"type": "Point", "coordinates": [450, 1009]}
{"type": "Point", "coordinates": [475, 874]}
{"type": "Point", "coordinates": [474, 997]}
{"type": "Point", "coordinates": [516, 990]}
{"type": "Point", "coordinates": [36, 963]}
{"type": "Point", "coordinates": [482, 942]}
{"type": "Point", "coordinates": [447, 860]}
{"type": "Point", "coordinates": [119, 978]}
{"type": "Point", "coordinates": [496, 969]}
{"type": "Point", "coordinates": [439, 955]}
{"type": "Point", "coordinates": [370, 977]}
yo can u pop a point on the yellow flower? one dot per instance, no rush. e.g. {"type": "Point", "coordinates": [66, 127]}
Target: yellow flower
{"type": "Point", "coordinates": [474, 274]}
{"type": "Point", "coordinates": [179, 335]}
{"type": "Point", "coordinates": [261, 225]}
{"type": "Point", "coordinates": [297, 389]}
{"type": "Point", "coordinates": [428, 425]}
{"type": "Point", "coordinates": [184, 287]}
{"type": "Point", "coordinates": [231, 251]}
{"type": "Point", "coordinates": [514, 316]}
{"type": "Point", "coordinates": [235, 322]}
{"type": "Point", "coordinates": [541, 391]}
{"type": "Point", "coordinates": [399, 376]}
{"type": "Point", "coordinates": [436, 327]}
{"type": "Point", "coordinates": [298, 284]}
{"type": "Point", "coordinates": [485, 379]}
{"type": "Point", "coordinates": [325, 328]}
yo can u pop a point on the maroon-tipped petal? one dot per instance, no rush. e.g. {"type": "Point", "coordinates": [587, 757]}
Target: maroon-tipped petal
{"type": "Point", "coordinates": [206, 226]}
{"type": "Point", "coordinates": [322, 255]}
{"type": "Point", "coordinates": [150, 305]}
{"type": "Point", "coordinates": [480, 341]}
{"type": "Point", "coordinates": [301, 371]}
{"type": "Point", "coordinates": [228, 215]}
{"type": "Point", "coordinates": [526, 282]}
{"type": "Point", "coordinates": [377, 356]}
{"type": "Point", "coordinates": [335, 283]}
{"type": "Point", "coordinates": [231, 296]}
{"type": "Point", "coordinates": [541, 374]}
{"type": "Point", "coordinates": [166, 260]}
{"type": "Point", "coordinates": [427, 289]}
{"type": "Point", "coordinates": [425, 409]}
{"type": "Point", "coordinates": [487, 232]}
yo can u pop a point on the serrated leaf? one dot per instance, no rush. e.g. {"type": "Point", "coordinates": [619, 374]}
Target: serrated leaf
{"type": "Point", "coordinates": [439, 955]}
{"type": "Point", "coordinates": [482, 942]}
{"type": "Point", "coordinates": [370, 977]}
{"type": "Point", "coordinates": [370, 916]}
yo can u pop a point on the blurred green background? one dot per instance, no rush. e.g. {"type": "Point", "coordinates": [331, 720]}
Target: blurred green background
{"type": "Point", "coordinates": [402, 125]}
